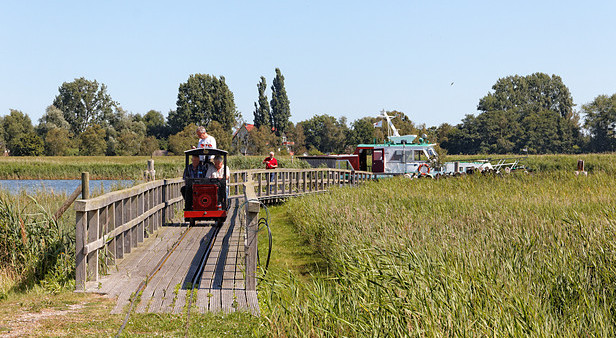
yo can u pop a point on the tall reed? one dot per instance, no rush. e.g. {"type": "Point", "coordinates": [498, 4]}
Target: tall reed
{"type": "Point", "coordinates": [33, 246]}
{"type": "Point", "coordinates": [514, 255]}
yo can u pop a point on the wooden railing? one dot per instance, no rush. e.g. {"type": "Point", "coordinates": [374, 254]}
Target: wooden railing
{"type": "Point", "coordinates": [111, 225]}
{"type": "Point", "coordinates": [255, 185]}
{"type": "Point", "coordinates": [279, 183]}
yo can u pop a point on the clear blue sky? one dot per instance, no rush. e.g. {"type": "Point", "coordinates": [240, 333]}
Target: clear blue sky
{"type": "Point", "coordinates": [344, 58]}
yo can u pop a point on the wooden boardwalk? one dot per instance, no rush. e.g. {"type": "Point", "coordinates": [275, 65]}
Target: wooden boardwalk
{"type": "Point", "coordinates": [168, 287]}
{"type": "Point", "coordinates": [132, 234]}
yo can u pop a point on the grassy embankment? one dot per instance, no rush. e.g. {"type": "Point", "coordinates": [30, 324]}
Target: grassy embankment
{"type": "Point", "coordinates": [113, 167]}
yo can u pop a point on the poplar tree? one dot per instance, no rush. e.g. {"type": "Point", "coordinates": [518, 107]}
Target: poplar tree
{"type": "Point", "coordinates": [281, 111]}
{"type": "Point", "coordinates": [262, 109]}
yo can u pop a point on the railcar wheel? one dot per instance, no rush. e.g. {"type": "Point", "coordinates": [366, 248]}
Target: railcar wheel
{"type": "Point", "coordinates": [193, 222]}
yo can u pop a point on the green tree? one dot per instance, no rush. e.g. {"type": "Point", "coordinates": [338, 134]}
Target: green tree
{"type": "Point", "coordinates": [262, 109]}
{"type": "Point", "coordinates": [325, 133]}
{"type": "Point", "coordinates": [541, 132]}
{"type": "Point", "coordinates": [202, 99]}
{"type": "Point", "coordinates": [531, 93]}
{"type": "Point", "coordinates": [58, 142]}
{"type": "Point", "coordinates": [53, 118]}
{"type": "Point", "coordinates": [262, 140]}
{"type": "Point", "coordinates": [362, 131]}
{"type": "Point", "coordinates": [124, 133]}
{"type": "Point", "coordinates": [280, 106]}
{"type": "Point", "coordinates": [16, 125]}
{"type": "Point", "coordinates": [533, 113]}
{"type": "Point", "coordinates": [28, 144]}
{"type": "Point", "coordinates": [295, 134]}
{"type": "Point", "coordinates": [149, 145]}
{"type": "Point", "coordinates": [128, 143]}
{"type": "Point", "coordinates": [155, 124]}
{"type": "Point", "coordinates": [464, 138]}
{"type": "Point", "coordinates": [3, 144]}
{"type": "Point", "coordinates": [223, 137]}
{"type": "Point", "coordinates": [404, 124]}
{"type": "Point", "coordinates": [600, 114]}
{"type": "Point", "coordinates": [92, 141]}
{"type": "Point", "coordinates": [84, 102]}
{"type": "Point", "coordinates": [184, 140]}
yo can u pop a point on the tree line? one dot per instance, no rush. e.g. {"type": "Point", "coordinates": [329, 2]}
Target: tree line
{"type": "Point", "coordinates": [522, 114]}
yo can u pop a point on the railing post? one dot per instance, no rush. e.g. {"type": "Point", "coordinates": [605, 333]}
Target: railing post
{"type": "Point", "coordinates": [126, 218]}
{"type": "Point", "coordinates": [252, 217]}
{"type": "Point", "coordinates": [313, 180]}
{"type": "Point", "coordinates": [140, 209]}
{"type": "Point", "coordinates": [85, 185]}
{"type": "Point", "coordinates": [275, 181]}
{"type": "Point", "coordinates": [119, 221]}
{"type": "Point", "coordinates": [112, 225]}
{"type": "Point", "coordinates": [164, 192]}
{"type": "Point", "coordinates": [80, 259]}
{"type": "Point", "coordinates": [103, 228]}
{"type": "Point", "coordinates": [93, 235]}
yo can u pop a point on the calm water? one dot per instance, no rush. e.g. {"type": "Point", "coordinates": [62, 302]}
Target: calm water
{"type": "Point", "coordinates": [62, 186]}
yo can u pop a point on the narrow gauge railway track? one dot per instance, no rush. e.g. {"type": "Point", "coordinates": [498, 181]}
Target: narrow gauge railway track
{"type": "Point", "coordinates": [196, 277]}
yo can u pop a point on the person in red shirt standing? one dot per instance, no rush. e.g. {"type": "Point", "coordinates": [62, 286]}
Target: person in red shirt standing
{"type": "Point", "coordinates": [271, 163]}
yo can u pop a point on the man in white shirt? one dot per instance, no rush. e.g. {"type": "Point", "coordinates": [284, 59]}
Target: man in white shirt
{"type": "Point", "coordinates": [217, 171]}
{"type": "Point", "coordinates": [205, 140]}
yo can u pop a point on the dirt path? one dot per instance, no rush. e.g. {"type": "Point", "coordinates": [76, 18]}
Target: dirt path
{"type": "Point", "coordinates": [28, 323]}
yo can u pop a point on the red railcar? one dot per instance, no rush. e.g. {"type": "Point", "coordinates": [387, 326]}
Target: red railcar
{"type": "Point", "coordinates": [205, 198]}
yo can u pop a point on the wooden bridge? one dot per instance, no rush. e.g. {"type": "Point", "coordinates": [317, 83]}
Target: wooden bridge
{"type": "Point", "coordinates": [132, 244]}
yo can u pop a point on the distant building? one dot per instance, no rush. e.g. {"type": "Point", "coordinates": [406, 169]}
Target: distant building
{"type": "Point", "coordinates": [240, 138]}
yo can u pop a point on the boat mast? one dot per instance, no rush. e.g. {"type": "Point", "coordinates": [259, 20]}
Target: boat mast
{"type": "Point", "coordinates": [391, 129]}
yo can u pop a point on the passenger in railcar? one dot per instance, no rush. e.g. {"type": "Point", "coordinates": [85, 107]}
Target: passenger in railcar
{"type": "Point", "coordinates": [194, 170]}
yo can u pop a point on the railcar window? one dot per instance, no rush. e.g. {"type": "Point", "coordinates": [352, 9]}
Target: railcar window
{"type": "Point", "coordinates": [418, 154]}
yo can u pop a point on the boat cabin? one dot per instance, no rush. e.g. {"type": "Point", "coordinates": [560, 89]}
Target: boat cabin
{"type": "Point", "coordinates": [393, 157]}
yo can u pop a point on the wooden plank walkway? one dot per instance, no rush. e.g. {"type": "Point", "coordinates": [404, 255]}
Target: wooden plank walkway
{"type": "Point", "coordinates": [222, 283]}
{"type": "Point", "coordinates": [222, 286]}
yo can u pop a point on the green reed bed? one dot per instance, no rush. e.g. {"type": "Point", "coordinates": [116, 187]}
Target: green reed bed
{"type": "Point", "coordinates": [35, 248]}
{"type": "Point", "coordinates": [555, 162]}
{"type": "Point", "coordinates": [114, 167]}
{"type": "Point", "coordinates": [482, 255]}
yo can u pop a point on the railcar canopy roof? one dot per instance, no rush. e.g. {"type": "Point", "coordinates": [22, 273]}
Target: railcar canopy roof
{"type": "Point", "coordinates": [205, 151]}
